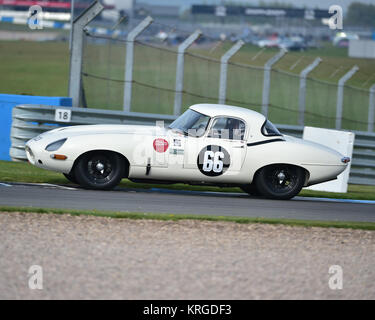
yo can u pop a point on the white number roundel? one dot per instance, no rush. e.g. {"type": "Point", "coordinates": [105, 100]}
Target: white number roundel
{"type": "Point", "coordinates": [213, 160]}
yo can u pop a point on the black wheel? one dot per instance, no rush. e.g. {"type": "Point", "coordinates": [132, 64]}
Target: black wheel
{"type": "Point", "coordinates": [99, 170]}
{"type": "Point", "coordinates": [280, 181]}
{"type": "Point", "coordinates": [70, 177]}
{"type": "Point", "coordinates": [250, 189]}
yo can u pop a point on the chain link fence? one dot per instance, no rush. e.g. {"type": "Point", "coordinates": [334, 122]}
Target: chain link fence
{"type": "Point", "coordinates": [103, 72]}
{"type": "Point", "coordinates": [201, 80]}
{"type": "Point", "coordinates": [153, 82]}
{"type": "Point", "coordinates": [284, 97]}
{"type": "Point", "coordinates": [244, 86]}
{"type": "Point", "coordinates": [355, 109]}
{"type": "Point", "coordinates": [321, 100]}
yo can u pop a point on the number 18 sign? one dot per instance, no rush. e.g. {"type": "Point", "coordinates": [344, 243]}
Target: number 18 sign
{"type": "Point", "coordinates": [63, 115]}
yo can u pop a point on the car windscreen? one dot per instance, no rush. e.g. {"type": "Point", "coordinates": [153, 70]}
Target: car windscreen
{"type": "Point", "coordinates": [269, 129]}
{"type": "Point", "coordinates": [191, 123]}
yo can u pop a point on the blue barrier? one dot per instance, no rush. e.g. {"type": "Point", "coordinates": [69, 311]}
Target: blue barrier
{"type": "Point", "coordinates": [8, 102]}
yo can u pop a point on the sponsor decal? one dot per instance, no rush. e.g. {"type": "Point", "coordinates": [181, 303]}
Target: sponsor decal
{"type": "Point", "coordinates": [176, 151]}
{"type": "Point", "coordinates": [177, 142]}
{"type": "Point", "coordinates": [160, 145]}
{"type": "Point", "coordinates": [213, 160]}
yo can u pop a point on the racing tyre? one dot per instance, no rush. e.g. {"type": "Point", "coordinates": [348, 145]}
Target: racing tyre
{"type": "Point", "coordinates": [70, 177]}
{"type": "Point", "coordinates": [99, 170]}
{"type": "Point", "coordinates": [279, 181]}
{"type": "Point", "coordinates": [250, 189]}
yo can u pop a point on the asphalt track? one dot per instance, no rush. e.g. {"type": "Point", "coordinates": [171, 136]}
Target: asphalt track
{"type": "Point", "coordinates": [184, 202]}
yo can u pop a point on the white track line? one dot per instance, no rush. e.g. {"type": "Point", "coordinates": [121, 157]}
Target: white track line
{"type": "Point", "coordinates": [334, 200]}
{"type": "Point", "coordinates": [48, 185]}
{"type": "Point", "coordinates": [56, 186]}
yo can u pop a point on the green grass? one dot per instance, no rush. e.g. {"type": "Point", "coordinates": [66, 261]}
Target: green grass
{"type": "Point", "coordinates": [41, 68]}
{"type": "Point", "coordinates": [332, 58]}
{"type": "Point", "coordinates": [176, 217]}
{"type": "Point", "coordinates": [34, 68]}
{"type": "Point", "coordinates": [25, 172]}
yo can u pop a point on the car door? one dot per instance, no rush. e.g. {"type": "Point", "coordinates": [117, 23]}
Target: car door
{"type": "Point", "coordinates": [222, 149]}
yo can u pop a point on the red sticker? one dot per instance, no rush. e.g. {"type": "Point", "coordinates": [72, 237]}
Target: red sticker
{"type": "Point", "coordinates": [160, 145]}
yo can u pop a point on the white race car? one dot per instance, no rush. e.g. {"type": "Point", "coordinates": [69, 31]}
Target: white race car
{"type": "Point", "coordinates": [209, 144]}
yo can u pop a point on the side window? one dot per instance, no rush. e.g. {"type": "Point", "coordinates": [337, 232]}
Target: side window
{"type": "Point", "coordinates": [269, 129]}
{"type": "Point", "coordinates": [227, 128]}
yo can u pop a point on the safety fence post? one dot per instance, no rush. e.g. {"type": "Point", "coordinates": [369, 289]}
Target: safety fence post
{"type": "Point", "coordinates": [267, 80]}
{"type": "Point", "coordinates": [340, 95]}
{"type": "Point", "coordinates": [302, 89]}
{"type": "Point", "coordinates": [180, 70]}
{"type": "Point", "coordinates": [224, 69]}
{"type": "Point", "coordinates": [371, 109]}
{"type": "Point", "coordinates": [77, 50]}
{"type": "Point", "coordinates": [129, 60]}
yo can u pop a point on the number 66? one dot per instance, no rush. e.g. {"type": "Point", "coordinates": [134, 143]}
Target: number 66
{"type": "Point", "coordinates": [215, 165]}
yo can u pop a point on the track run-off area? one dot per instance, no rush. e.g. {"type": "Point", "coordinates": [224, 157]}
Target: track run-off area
{"type": "Point", "coordinates": [91, 257]}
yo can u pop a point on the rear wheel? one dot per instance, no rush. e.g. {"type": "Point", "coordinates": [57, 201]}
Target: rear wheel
{"type": "Point", "coordinates": [280, 181]}
{"type": "Point", "coordinates": [99, 170]}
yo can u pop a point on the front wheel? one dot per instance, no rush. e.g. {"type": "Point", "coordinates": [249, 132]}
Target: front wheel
{"type": "Point", "coordinates": [70, 177]}
{"type": "Point", "coordinates": [99, 170]}
{"type": "Point", "coordinates": [280, 181]}
{"type": "Point", "coordinates": [250, 189]}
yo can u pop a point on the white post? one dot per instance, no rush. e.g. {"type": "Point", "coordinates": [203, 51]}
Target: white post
{"type": "Point", "coordinates": [130, 60]}
{"type": "Point", "coordinates": [224, 69]}
{"type": "Point", "coordinates": [340, 95]}
{"type": "Point", "coordinates": [371, 109]}
{"type": "Point", "coordinates": [71, 23]}
{"type": "Point", "coordinates": [76, 50]}
{"type": "Point", "coordinates": [180, 70]}
{"type": "Point", "coordinates": [267, 80]}
{"type": "Point", "coordinates": [302, 90]}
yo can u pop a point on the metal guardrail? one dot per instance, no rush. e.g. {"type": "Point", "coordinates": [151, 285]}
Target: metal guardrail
{"type": "Point", "coordinates": [31, 120]}
{"type": "Point", "coordinates": [28, 121]}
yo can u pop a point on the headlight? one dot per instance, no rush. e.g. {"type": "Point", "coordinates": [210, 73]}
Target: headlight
{"type": "Point", "coordinates": [345, 160]}
{"type": "Point", "coordinates": [55, 145]}
{"type": "Point", "coordinates": [29, 151]}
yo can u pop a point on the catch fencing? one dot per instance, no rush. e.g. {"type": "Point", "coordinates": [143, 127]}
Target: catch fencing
{"type": "Point", "coordinates": [31, 120]}
{"type": "Point", "coordinates": [138, 79]}
{"type": "Point", "coordinates": [141, 74]}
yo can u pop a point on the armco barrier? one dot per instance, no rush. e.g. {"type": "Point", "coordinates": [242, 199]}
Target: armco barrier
{"type": "Point", "coordinates": [7, 103]}
{"type": "Point", "coordinates": [31, 120]}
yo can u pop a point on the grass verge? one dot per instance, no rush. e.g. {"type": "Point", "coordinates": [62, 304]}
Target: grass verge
{"type": "Point", "coordinates": [176, 217]}
{"type": "Point", "coordinates": [25, 172]}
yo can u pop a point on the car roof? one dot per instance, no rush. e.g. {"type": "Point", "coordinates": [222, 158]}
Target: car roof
{"type": "Point", "coordinates": [214, 110]}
